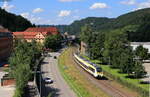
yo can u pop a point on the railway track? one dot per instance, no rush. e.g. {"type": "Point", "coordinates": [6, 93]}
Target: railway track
{"type": "Point", "coordinates": [104, 84]}
{"type": "Point", "coordinates": [117, 92]}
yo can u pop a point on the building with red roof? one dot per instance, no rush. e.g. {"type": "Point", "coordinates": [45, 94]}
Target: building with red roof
{"type": "Point", "coordinates": [36, 33]}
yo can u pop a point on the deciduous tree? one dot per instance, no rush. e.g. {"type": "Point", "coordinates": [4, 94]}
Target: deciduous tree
{"type": "Point", "coordinates": [141, 52]}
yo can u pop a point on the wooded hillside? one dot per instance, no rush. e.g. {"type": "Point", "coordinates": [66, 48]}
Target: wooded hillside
{"type": "Point", "coordinates": [136, 24]}
{"type": "Point", "coordinates": [13, 22]}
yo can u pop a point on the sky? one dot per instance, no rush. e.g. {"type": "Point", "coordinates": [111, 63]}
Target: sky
{"type": "Point", "coordinates": [66, 11]}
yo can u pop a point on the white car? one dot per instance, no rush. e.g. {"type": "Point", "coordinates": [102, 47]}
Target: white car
{"type": "Point", "coordinates": [48, 80]}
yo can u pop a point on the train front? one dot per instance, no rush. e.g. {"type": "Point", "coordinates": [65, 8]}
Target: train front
{"type": "Point", "coordinates": [99, 73]}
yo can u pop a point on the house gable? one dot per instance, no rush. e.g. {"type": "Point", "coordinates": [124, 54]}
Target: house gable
{"type": "Point", "coordinates": [39, 36]}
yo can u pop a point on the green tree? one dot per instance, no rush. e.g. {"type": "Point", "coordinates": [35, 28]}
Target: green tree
{"type": "Point", "coordinates": [117, 48]}
{"type": "Point", "coordinates": [86, 34]}
{"type": "Point", "coordinates": [97, 46]}
{"type": "Point", "coordinates": [53, 42]}
{"type": "Point", "coordinates": [113, 46]}
{"type": "Point", "coordinates": [138, 70]}
{"type": "Point", "coordinates": [141, 52]}
{"type": "Point", "coordinates": [22, 62]}
{"type": "Point", "coordinates": [94, 41]}
{"type": "Point", "coordinates": [126, 60]}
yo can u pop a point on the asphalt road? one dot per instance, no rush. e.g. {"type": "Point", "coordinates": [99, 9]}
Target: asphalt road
{"type": "Point", "coordinates": [59, 88]}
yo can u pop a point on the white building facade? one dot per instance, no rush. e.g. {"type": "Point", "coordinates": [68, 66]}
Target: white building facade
{"type": "Point", "coordinates": [144, 44]}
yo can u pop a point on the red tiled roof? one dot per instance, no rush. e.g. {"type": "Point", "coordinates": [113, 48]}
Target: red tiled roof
{"type": "Point", "coordinates": [41, 29]}
{"type": "Point", "coordinates": [17, 33]}
{"type": "Point", "coordinates": [32, 32]}
{"type": "Point", "coordinates": [25, 34]}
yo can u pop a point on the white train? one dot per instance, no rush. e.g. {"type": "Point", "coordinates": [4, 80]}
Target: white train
{"type": "Point", "coordinates": [90, 67]}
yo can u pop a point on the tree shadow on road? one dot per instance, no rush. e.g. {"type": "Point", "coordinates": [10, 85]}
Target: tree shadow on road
{"type": "Point", "coordinates": [47, 89]}
{"type": "Point", "coordinates": [54, 92]}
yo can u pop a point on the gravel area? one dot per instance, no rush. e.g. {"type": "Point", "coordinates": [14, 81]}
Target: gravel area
{"type": "Point", "coordinates": [6, 91]}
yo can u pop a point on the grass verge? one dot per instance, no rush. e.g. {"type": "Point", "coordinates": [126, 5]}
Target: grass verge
{"type": "Point", "coordinates": [81, 86]}
{"type": "Point", "coordinates": [134, 84]}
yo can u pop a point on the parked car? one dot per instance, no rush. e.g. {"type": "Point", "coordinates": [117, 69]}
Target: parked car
{"type": "Point", "coordinates": [48, 80]}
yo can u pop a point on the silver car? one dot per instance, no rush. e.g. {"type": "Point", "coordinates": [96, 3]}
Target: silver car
{"type": "Point", "coordinates": [48, 80]}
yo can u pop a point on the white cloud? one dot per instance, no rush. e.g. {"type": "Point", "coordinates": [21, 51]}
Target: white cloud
{"type": "Point", "coordinates": [7, 7]}
{"type": "Point", "coordinates": [64, 13]}
{"type": "Point", "coordinates": [99, 6]}
{"type": "Point", "coordinates": [138, 5]}
{"type": "Point", "coordinates": [38, 10]}
{"type": "Point", "coordinates": [144, 5]}
{"type": "Point", "coordinates": [68, 0]}
{"type": "Point", "coordinates": [39, 20]}
{"type": "Point", "coordinates": [128, 2]}
{"type": "Point", "coordinates": [34, 19]}
{"type": "Point", "coordinates": [25, 15]}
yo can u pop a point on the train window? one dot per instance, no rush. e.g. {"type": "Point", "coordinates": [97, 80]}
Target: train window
{"type": "Point", "coordinates": [83, 64]}
{"type": "Point", "coordinates": [91, 69]}
{"type": "Point", "coordinates": [99, 69]}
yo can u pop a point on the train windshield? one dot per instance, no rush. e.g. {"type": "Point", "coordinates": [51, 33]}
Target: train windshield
{"type": "Point", "coordinates": [99, 69]}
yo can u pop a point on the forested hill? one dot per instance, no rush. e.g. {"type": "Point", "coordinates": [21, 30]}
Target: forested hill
{"type": "Point", "coordinates": [96, 22]}
{"type": "Point", "coordinates": [13, 22]}
{"type": "Point", "coordinates": [135, 23]}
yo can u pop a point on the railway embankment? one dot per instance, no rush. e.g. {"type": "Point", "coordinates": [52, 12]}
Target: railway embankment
{"type": "Point", "coordinates": [78, 82]}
